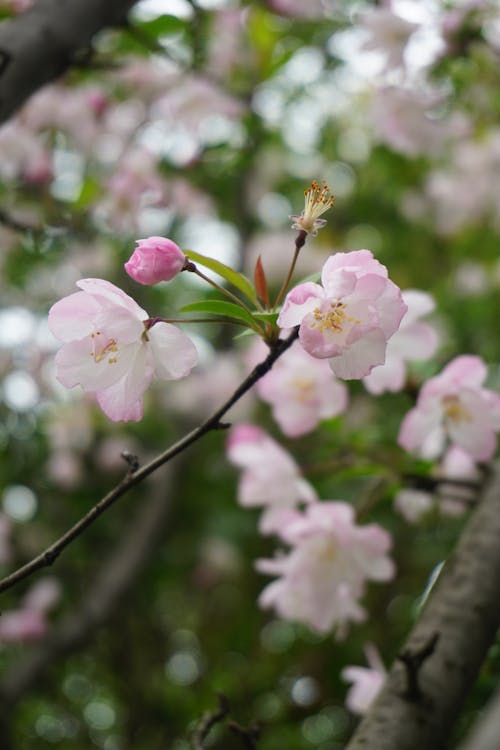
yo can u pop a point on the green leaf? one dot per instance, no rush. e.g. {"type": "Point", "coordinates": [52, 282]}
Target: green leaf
{"type": "Point", "coordinates": [220, 307]}
{"type": "Point", "coordinates": [267, 317]}
{"type": "Point", "coordinates": [229, 274]}
{"type": "Point", "coordinates": [162, 26]}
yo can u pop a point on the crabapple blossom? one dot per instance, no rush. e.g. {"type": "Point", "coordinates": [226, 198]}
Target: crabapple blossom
{"type": "Point", "coordinates": [270, 476]}
{"type": "Point", "coordinates": [112, 348]}
{"type": "Point", "coordinates": [301, 391]}
{"type": "Point", "coordinates": [454, 405]}
{"type": "Point", "coordinates": [389, 34]}
{"type": "Point", "coordinates": [348, 319]}
{"type": "Point", "coordinates": [318, 199]}
{"type": "Point", "coordinates": [323, 576]}
{"type": "Point", "coordinates": [29, 622]}
{"type": "Point", "coordinates": [414, 340]}
{"type": "Point", "coordinates": [155, 259]}
{"type": "Point", "coordinates": [366, 682]}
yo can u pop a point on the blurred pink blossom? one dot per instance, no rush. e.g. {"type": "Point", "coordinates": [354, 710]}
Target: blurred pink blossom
{"type": "Point", "coordinates": [350, 318]}
{"type": "Point", "coordinates": [413, 341]}
{"type": "Point", "coordinates": [312, 9]}
{"type": "Point", "coordinates": [270, 476]}
{"type": "Point", "coordinates": [302, 390]}
{"type": "Point", "coordinates": [454, 405]}
{"type": "Point", "coordinates": [401, 120]}
{"type": "Point", "coordinates": [450, 498]}
{"type": "Point", "coordinates": [29, 622]}
{"type": "Point", "coordinates": [323, 577]}
{"type": "Point", "coordinates": [388, 33]}
{"type": "Point", "coordinates": [192, 99]}
{"type": "Point", "coordinates": [366, 682]}
{"type": "Point", "coordinates": [136, 185]}
{"type": "Point", "coordinates": [111, 349]}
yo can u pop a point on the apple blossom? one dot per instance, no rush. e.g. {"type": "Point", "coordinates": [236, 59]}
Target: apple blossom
{"type": "Point", "coordinates": [323, 576]}
{"type": "Point", "coordinates": [366, 682]}
{"type": "Point", "coordinates": [155, 259]}
{"type": "Point", "coordinates": [112, 348]}
{"type": "Point", "coordinates": [29, 622]}
{"type": "Point", "coordinates": [318, 199]}
{"type": "Point", "coordinates": [414, 340]}
{"type": "Point", "coordinates": [388, 33]}
{"type": "Point", "coordinates": [351, 317]}
{"type": "Point", "coordinates": [270, 476]}
{"type": "Point", "coordinates": [302, 390]}
{"type": "Point", "coordinates": [454, 405]}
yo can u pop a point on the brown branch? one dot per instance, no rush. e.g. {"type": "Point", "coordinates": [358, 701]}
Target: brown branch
{"type": "Point", "coordinates": [463, 611]}
{"type": "Point", "coordinates": [50, 555]}
{"type": "Point", "coordinates": [101, 597]}
{"type": "Point", "coordinates": [38, 46]}
{"type": "Point", "coordinates": [208, 721]}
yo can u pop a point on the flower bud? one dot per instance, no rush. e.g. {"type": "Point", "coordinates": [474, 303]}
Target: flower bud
{"type": "Point", "coordinates": [155, 259]}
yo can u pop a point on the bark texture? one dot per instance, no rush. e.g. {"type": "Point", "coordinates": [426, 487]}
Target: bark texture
{"type": "Point", "coordinates": [38, 46]}
{"type": "Point", "coordinates": [461, 616]}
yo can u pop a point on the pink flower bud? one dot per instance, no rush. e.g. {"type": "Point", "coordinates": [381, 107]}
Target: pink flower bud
{"type": "Point", "coordinates": [155, 259]}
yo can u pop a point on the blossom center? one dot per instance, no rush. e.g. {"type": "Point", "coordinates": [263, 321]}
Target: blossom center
{"type": "Point", "coordinates": [304, 390]}
{"type": "Point", "coordinates": [103, 348]}
{"type": "Point", "coordinates": [455, 410]}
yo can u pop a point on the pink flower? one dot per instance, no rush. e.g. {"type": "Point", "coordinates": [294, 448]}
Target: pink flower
{"type": "Point", "coordinates": [454, 405]}
{"type": "Point", "coordinates": [302, 390]}
{"type": "Point", "coordinates": [366, 682]}
{"type": "Point", "coordinates": [350, 318]}
{"type": "Point", "coordinates": [112, 349]}
{"type": "Point", "coordinates": [155, 259]}
{"type": "Point", "coordinates": [270, 476]}
{"type": "Point", "coordinates": [389, 34]}
{"type": "Point", "coordinates": [323, 577]}
{"type": "Point", "coordinates": [413, 341]}
{"type": "Point", "coordinates": [29, 622]}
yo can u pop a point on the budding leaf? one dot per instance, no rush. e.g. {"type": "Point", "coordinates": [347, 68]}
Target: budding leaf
{"type": "Point", "coordinates": [220, 307]}
{"type": "Point", "coordinates": [229, 274]}
{"type": "Point", "coordinates": [260, 280]}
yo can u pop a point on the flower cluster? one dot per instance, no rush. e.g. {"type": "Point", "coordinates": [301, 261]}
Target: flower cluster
{"type": "Point", "coordinates": [323, 577]}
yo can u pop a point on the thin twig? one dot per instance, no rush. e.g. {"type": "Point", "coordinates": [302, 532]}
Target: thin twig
{"type": "Point", "coordinates": [208, 721]}
{"type": "Point", "coordinates": [49, 555]}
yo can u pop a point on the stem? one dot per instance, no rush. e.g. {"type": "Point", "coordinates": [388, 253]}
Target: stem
{"type": "Point", "coordinates": [299, 244]}
{"type": "Point", "coordinates": [49, 555]}
{"type": "Point", "coordinates": [215, 319]}
{"type": "Point", "coordinates": [191, 267]}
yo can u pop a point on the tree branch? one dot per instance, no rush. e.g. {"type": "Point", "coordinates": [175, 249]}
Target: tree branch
{"type": "Point", "coordinates": [38, 46]}
{"type": "Point", "coordinates": [460, 620]}
{"type": "Point", "coordinates": [101, 598]}
{"type": "Point", "coordinates": [486, 731]}
{"type": "Point", "coordinates": [50, 555]}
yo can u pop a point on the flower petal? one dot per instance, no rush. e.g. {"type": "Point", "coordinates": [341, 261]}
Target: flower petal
{"type": "Point", "coordinates": [359, 359]}
{"type": "Point", "coordinates": [174, 354]}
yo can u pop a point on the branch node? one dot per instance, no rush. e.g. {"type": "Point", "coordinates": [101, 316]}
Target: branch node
{"type": "Point", "coordinates": [209, 720]}
{"type": "Point", "coordinates": [413, 660]}
{"type": "Point", "coordinates": [131, 460]}
{"type": "Point", "coordinates": [248, 735]}
{"type": "Point", "coordinates": [223, 425]}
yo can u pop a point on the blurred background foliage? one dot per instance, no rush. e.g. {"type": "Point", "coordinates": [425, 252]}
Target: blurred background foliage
{"type": "Point", "coordinates": [204, 121]}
